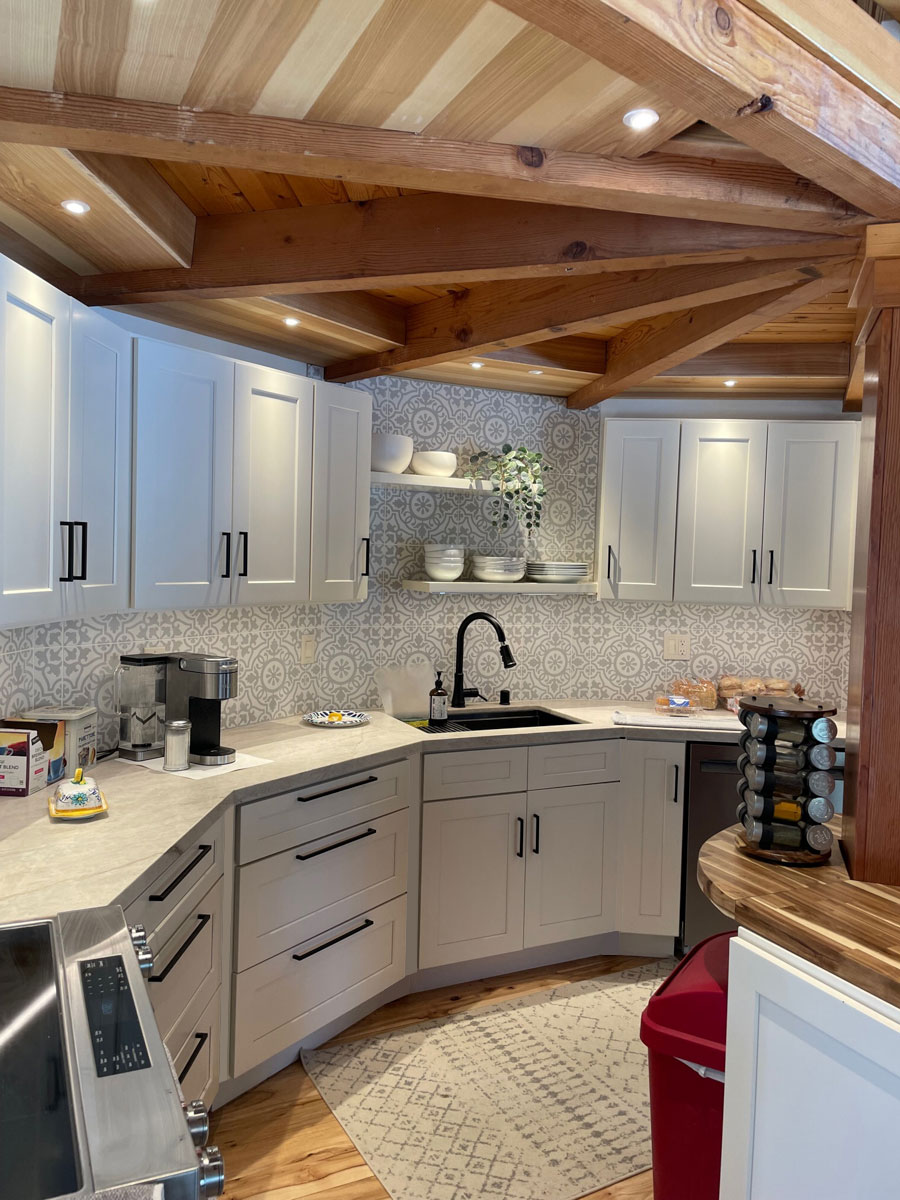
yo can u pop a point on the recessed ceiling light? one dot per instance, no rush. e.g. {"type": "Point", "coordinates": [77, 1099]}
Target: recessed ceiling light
{"type": "Point", "coordinates": [76, 207]}
{"type": "Point", "coordinates": [730, 382]}
{"type": "Point", "coordinates": [476, 365]}
{"type": "Point", "coordinates": [640, 119]}
{"type": "Point", "coordinates": [535, 372]}
{"type": "Point", "coordinates": [292, 320]}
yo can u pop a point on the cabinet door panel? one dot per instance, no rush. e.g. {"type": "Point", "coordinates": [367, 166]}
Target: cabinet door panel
{"type": "Point", "coordinates": [100, 462]}
{"type": "Point", "coordinates": [720, 504]}
{"type": "Point", "coordinates": [810, 513]}
{"type": "Point", "coordinates": [342, 456]}
{"type": "Point", "coordinates": [185, 412]}
{"type": "Point", "coordinates": [473, 879]}
{"type": "Point", "coordinates": [651, 824]}
{"type": "Point", "coordinates": [570, 878]}
{"type": "Point", "coordinates": [637, 511]}
{"type": "Point", "coordinates": [34, 373]}
{"type": "Point", "coordinates": [272, 482]}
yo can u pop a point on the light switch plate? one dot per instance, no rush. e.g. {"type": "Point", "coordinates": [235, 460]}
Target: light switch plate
{"type": "Point", "coordinates": [676, 647]}
{"type": "Point", "coordinates": [307, 649]}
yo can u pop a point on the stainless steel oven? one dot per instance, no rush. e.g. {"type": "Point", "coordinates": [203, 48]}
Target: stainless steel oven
{"type": "Point", "coordinates": [89, 1101]}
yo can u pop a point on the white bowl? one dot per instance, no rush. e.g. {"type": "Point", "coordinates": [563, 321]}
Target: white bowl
{"type": "Point", "coordinates": [391, 452]}
{"type": "Point", "coordinates": [493, 575]}
{"type": "Point", "coordinates": [434, 462]}
{"type": "Point", "coordinates": [441, 546]}
{"type": "Point", "coordinates": [443, 572]}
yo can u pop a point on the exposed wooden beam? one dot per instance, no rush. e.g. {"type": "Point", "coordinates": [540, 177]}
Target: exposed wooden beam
{"type": "Point", "coordinates": [653, 184]}
{"type": "Point", "coordinates": [433, 238]}
{"type": "Point", "coordinates": [702, 141]}
{"type": "Point", "coordinates": [853, 396]}
{"type": "Point", "coordinates": [746, 77]}
{"type": "Point", "coordinates": [356, 312]}
{"type": "Point", "coordinates": [496, 316]}
{"type": "Point", "coordinates": [28, 254]}
{"type": "Point", "coordinates": [652, 346]}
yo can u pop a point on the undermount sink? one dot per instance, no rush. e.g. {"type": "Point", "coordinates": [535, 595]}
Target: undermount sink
{"type": "Point", "coordinates": [495, 718]}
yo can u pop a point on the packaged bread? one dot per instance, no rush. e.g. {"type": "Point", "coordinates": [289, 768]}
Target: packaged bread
{"type": "Point", "coordinates": [701, 691]}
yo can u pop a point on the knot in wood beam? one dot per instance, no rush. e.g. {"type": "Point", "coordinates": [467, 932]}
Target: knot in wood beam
{"type": "Point", "coordinates": [758, 105]}
{"type": "Point", "coordinates": [530, 156]}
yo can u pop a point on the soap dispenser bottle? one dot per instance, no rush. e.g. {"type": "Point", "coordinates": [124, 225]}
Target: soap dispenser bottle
{"type": "Point", "coordinates": [437, 703]}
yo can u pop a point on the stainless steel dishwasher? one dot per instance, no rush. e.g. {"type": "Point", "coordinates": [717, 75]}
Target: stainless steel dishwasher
{"type": "Point", "coordinates": [711, 803]}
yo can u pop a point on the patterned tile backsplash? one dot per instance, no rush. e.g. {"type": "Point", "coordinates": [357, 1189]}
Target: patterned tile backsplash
{"type": "Point", "coordinates": [565, 646]}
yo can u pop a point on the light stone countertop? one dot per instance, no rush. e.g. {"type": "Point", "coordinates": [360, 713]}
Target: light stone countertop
{"type": "Point", "coordinates": [51, 866]}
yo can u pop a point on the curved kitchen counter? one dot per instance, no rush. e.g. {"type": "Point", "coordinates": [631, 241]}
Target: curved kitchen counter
{"type": "Point", "coordinates": [850, 929]}
{"type": "Point", "coordinates": [47, 867]}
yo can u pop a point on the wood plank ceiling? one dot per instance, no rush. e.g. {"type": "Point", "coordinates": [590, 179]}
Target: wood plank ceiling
{"type": "Point", "coordinates": [400, 97]}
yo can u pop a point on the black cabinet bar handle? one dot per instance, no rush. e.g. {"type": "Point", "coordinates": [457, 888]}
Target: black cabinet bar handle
{"type": "Point", "coordinates": [336, 845]}
{"type": "Point", "coordinates": [771, 565]}
{"type": "Point", "coordinates": [334, 941]}
{"type": "Point", "coordinates": [365, 571]}
{"type": "Point", "coordinates": [202, 1039]}
{"type": "Point", "coordinates": [203, 919]}
{"type": "Point", "coordinates": [164, 895]}
{"type": "Point", "coordinates": [226, 534]}
{"type": "Point", "coordinates": [753, 572]}
{"type": "Point", "coordinates": [536, 838]}
{"type": "Point", "coordinates": [83, 573]}
{"type": "Point", "coordinates": [520, 840]}
{"type": "Point", "coordinates": [69, 527]}
{"type": "Point", "coordinates": [242, 573]}
{"type": "Point", "coordinates": [334, 791]}
{"type": "Point", "coordinates": [675, 793]}
{"type": "Point", "coordinates": [609, 563]}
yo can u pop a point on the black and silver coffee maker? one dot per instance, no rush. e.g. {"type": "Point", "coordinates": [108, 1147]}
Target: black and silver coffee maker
{"type": "Point", "coordinates": [196, 685]}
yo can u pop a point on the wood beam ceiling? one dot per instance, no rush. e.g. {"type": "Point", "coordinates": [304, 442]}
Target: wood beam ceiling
{"type": "Point", "coordinates": [428, 239]}
{"type": "Point", "coordinates": [652, 346]}
{"type": "Point", "coordinates": [356, 312]}
{"type": "Point", "coordinates": [746, 77]}
{"type": "Point", "coordinates": [654, 184]}
{"type": "Point", "coordinates": [497, 315]}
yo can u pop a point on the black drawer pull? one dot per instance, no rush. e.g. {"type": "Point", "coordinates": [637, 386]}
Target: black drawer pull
{"type": "Point", "coordinates": [365, 571]}
{"type": "Point", "coordinates": [675, 795]}
{"type": "Point", "coordinates": [203, 920]}
{"type": "Point", "coordinates": [753, 572]}
{"type": "Point", "coordinates": [202, 1039]}
{"type": "Point", "coordinates": [520, 838]}
{"type": "Point", "coordinates": [164, 895]}
{"type": "Point", "coordinates": [334, 941]}
{"type": "Point", "coordinates": [69, 576]}
{"type": "Point", "coordinates": [83, 526]}
{"type": "Point", "coordinates": [334, 791]}
{"type": "Point", "coordinates": [226, 574]}
{"type": "Point", "coordinates": [336, 845]}
{"type": "Point", "coordinates": [536, 839]}
{"type": "Point", "coordinates": [244, 537]}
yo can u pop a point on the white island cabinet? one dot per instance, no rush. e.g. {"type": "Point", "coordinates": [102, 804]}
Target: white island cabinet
{"type": "Point", "coordinates": [812, 1082]}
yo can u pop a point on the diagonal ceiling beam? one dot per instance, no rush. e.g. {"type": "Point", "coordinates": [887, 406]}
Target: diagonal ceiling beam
{"type": "Point", "coordinates": [736, 71]}
{"type": "Point", "coordinates": [354, 312]}
{"type": "Point", "coordinates": [496, 316]}
{"type": "Point", "coordinates": [652, 346]}
{"type": "Point", "coordinates": [433, 238]}
{"type": "Point", "coordinates": [765, 194]}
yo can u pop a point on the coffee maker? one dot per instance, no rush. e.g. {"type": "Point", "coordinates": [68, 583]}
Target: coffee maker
{"type": "Point", "coordinates": [196, 685]}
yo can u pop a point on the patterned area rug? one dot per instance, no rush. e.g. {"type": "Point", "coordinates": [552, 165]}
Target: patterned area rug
{"type": "Point", "coordinates": [543, 1097]}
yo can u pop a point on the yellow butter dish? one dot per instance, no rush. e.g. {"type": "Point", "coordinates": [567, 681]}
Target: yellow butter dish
{"type": "Point", "coordinates": [77, 799]}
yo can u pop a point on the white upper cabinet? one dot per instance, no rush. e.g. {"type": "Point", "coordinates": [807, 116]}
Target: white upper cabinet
{"type": "Point", "coordinates": [184, 416]}
{"type": "Point", "coordinates": [342, 450]}
{"type": "Point", "coordinates": [810, 513]}
{"type": "Point", "coordinates": [637, 511]}
{"type": "Point", "coordinates": [34, 380]}
{"type": "Point", "coordinates": [99, 495]}
{"type": "Point", "coordinates": [720, 511]}
{"type": "Point", "coordinates": [273, 420]}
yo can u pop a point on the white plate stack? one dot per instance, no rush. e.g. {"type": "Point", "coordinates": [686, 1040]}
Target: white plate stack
{"type": "Point", "coordinates": [444, 563]}
{"type": "Point", "coordinates": [557, 572]}
{"type": "Point", "coordinates": [497, 569]}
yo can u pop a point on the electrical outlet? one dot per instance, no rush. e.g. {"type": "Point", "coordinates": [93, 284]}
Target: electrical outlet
{"type": "Point", "coordinates": [676, 647]}
{"type": "Point", "coordinates": [307, 649]}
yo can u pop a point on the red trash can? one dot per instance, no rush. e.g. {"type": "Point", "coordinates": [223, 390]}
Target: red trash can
{"type": "Point", "coordinates": [685, 1023]}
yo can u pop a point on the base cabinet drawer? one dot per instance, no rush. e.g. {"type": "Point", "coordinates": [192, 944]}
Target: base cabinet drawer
{"type": "Point", "coordinates": [458, 773]}
{"type": "Point", "coordinates": [570, 764]}
{"type": "Point", "coordinates": [300, 893]}
{"type": "Point", "coordinates": [281, 1001]}
{"type": "Point", "coordinates": [196, 1056]}
{"type": "Point", "coordinates": [191, 867]}
{"type": "Point", "coordinates": [187, 963]}
{"type": "Point", "coordinates": [303, 814]}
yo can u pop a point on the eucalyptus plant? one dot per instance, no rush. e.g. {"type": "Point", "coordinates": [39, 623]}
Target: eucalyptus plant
{"type": "Point", "coordinates": [517, 476]}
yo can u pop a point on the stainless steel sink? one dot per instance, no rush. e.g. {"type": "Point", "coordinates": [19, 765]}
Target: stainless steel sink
{"type": "Point", "coordinates": [495, 718]}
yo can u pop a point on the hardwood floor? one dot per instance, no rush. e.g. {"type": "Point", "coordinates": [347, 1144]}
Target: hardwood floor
{"type": "Point", "coordinates": [281, 1141]}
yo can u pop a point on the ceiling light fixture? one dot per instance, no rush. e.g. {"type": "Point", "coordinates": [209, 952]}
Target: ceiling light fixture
{"type": "Point", "coordinates": [292, 320]}
{"type": "Point", "coordinates": [535, 372]}
{"type": "Point", "coordinates": [476, 365]}
{"type": "Point", "coordinates": [730, 382]}
{"type": "Point", "coordinates": [640, 119]}
{"type": "Point", "coordinates": [76, 207]}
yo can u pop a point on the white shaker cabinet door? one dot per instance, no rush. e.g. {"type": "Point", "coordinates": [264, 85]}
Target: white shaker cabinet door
{"type": "Point", "coordinates": [639, 494]}
{"type": "Point", "coordinates": [570, 851]}
{"type": "Point", "coordinates": [810, 513]}
{"type": "Point", "coordinates": [183, 545]}
{"type": "Point", "coordinates": [34, 380]}
{"type": "Point", "coordinates": [473, 878]}
{"type": "Point", "coordinates": [651, 820]}
{"type": "Point", "coordinates": [812, 1082]}
{"type": "Point", "coordinates": [342, 456]}
{"type": "Point", "coordinates": [99, 464]}
{"type": "Point", "coordinates": [720, 507]}
{"type": "Point", "coordinates": [273, 415]}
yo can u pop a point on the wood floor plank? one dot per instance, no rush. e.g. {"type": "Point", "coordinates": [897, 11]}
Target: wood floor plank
{"type": "Point", "coordinates": [282, 1142]}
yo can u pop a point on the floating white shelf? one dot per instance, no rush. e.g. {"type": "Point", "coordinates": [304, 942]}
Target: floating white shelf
{"type": "Point", "coordinates": [438, 483]}
{"type": "Point", "coordinates": [473, 587]}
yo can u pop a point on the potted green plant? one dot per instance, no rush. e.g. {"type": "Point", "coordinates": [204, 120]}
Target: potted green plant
{"type": "Point", "coordinates": [517, 476]}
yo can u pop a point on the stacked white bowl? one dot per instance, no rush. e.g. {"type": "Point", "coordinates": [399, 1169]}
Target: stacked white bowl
{"type": "Point", "coordinates": [444, 562]}
{"type": "Point", "coordinates": [497, 569]}
{"type": "Point", "coordinates": [557, 572]}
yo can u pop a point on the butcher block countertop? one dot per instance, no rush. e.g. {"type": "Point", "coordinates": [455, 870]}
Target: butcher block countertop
{"type": "Point", "coordinates": [851, 929]}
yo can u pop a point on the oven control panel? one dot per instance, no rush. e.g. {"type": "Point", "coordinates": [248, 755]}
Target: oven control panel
{"type": "Point", "coordinates": [116, 1035]}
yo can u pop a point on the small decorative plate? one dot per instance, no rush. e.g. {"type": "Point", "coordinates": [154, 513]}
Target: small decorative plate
{"type": "Point", "coordinates": [336, 718]}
